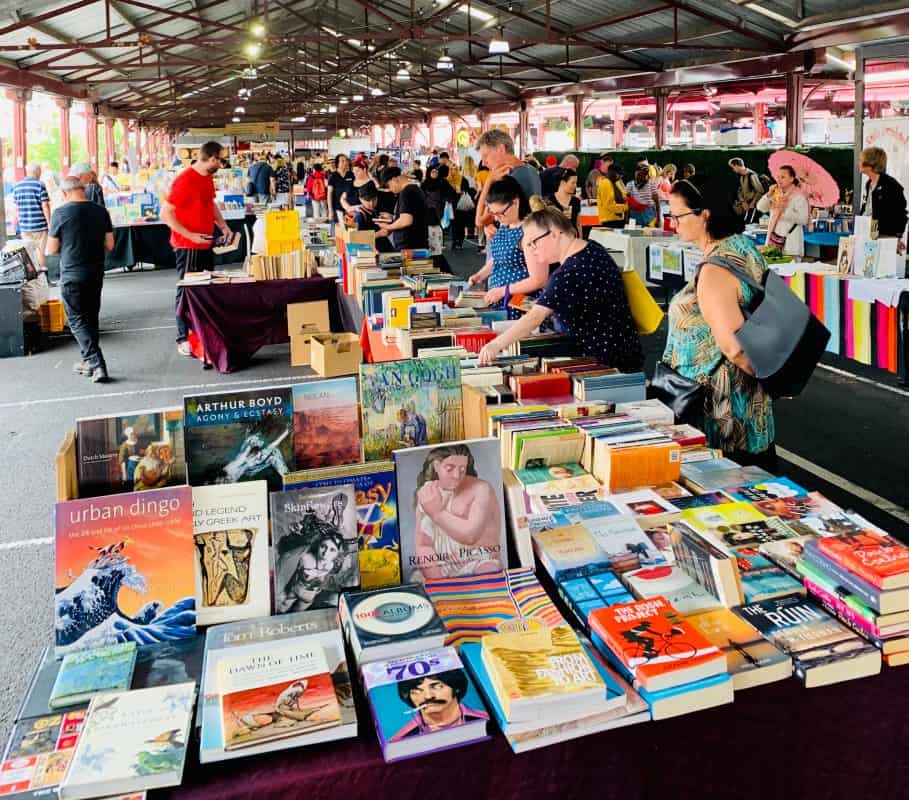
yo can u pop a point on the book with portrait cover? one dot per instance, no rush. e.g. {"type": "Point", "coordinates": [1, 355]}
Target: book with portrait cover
{"type": "Point", "coordinates": [130, 452]}
{"type": "Point", "coordinates": [423, 702]}
{"type": "Point", "coordinates": [230, 538]}
{"type": "Point", "coordinates": [38, 754]}
{"type": "Point", "coordinates": [326, 423]}
{"type": "Point", "coordinates": [282, 692]}
{"type": "Point", "coordinates": [84, 673]}
{"type": "Point", "coordinates": [823, 650]}
{"type": "Point", "coordinates": [410, 404]}
{"type": "Point", "coordinates": [451, 510]}
{"type": "Point", "coordinates": [124, 569]}
{"type": "Point", "coordinates": [377, 515]}
{"type": "Point", "coordinates": [131, 742]}
{"type": "Point", "coordinates": [239, 436]}
{"type": "Point", "coordinates": [314, 546]}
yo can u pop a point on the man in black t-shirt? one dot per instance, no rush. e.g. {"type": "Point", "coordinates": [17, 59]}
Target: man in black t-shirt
{"type": "Point", "coordinates": [410, 227]}
{"type": "Point", "coordinates": [81, 232]}
{"type": "Point", "coordinates": [339, 183]}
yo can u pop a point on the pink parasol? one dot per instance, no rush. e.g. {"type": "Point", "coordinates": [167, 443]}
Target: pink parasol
{"type": "Point", "coordinates": [819, 186]}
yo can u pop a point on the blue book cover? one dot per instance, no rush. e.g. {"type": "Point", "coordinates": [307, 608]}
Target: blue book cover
{"type": "Point", "coordinates": [389, 615]}
{"type": "Point", "coordinates": [423, 696]}
{"type": "Point", "coordinates": [774, 489]}
{"type": "Point", "coordinates": [865, 591]}
{"type": "Point", "coordinates": [377, 519]}
{"type": "Point", "coordinates": [86, 672]}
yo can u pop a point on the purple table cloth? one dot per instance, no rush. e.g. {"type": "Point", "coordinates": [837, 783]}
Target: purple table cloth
{"type": "Point", "coordinates": [849, 741]}
{"type": "Point", "coordinates": [233, 320]}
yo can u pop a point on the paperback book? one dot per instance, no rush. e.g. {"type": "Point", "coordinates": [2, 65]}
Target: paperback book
{"type": "Point", "coordinates": [239, 436]}
{"type": "Point", "coordinates": [314, 542]}
{"type": "Point", "coordinates": [410, 404]}
{"type": "Point", "coordinates": [875, 557]}
{"type": "Point", "coordinates": [326, 423]}
{"type": "Point", "coordinates": [38, 754]}
{"type": "Point", "coordinates": [423, 703]}
{"type": "Point", "coordinates": [451, 510]}
{"type": "Point", "coordinates": [130, 452]}
{"type": "Point", "coordinates": [124, 570]}
{"type": "Point", "coordinates": [85, 673]}
{"type": "Point", "coordinates": [626, 545]}
{"type": "Point", "coordinates": [230, 537]}
{"type": "Point", "coordinates": [389, 622]}
{"type": "Point", "coordinates": [679, 588]}
{"type": "Point", "coordinates": [377, 515]}
{"type": "Point", "coordinates": [131, 742]}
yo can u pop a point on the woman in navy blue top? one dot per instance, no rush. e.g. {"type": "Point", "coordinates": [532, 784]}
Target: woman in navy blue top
{"type": "Point", "coordinates": [506, 271]}
{"type": "Point", "coordinates": [586, 295]}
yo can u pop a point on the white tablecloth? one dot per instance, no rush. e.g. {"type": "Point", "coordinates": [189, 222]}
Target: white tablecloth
{"type": "Point", "coordinates": [629, 252]}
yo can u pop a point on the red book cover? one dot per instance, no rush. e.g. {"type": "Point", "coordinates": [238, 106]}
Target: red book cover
{"type": "Point", "coordinates": [656, 643]}
{"type": "Point", "coordinates": [878, 558]}
{"type": "Point", "coordinates": [541, 385]}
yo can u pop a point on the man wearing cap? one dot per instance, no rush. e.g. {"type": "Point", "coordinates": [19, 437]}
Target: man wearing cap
{"type": "Point", "coordinates": [191, 214]}
{"type": "Point", "coordinates": [81, 232]}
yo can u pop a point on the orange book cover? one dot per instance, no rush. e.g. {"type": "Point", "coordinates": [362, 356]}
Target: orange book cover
{"type": "Point", "coordinates": [652, 639]}
{"type": "Point", "coordinates": [124, 569]}
{"type": "Point", "coordinates": [645, 465]}
{"type": "Point", "coordinates": [878, 558]}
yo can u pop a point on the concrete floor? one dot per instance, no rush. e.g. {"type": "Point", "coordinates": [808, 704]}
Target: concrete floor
{"type": "Point", "coordinates": [857, 431]}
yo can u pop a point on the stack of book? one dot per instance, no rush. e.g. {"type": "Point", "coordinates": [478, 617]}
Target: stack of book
{"type": "Point", "coordinates": [611, 386]}
{"type": "Point", "coordinates": [674, 668]}
{"type": "Point", "coordinates": [862, 577]}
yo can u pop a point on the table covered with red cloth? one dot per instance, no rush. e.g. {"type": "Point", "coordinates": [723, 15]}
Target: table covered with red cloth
{"type": "Point", "coordinates": [233, 320]}
{"type": "Point", "coordinates": [841, 742]}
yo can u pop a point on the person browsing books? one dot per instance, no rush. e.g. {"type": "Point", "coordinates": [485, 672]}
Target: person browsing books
{"type": "Point", "coordinates": [409, 229]}
{"type": "Point", "coordinates": [506, 271]}
{"type": "Point", "coordinates": [883, 198]}
{"type": "Point", "coordinates": [612, 203]}
{"type": "Point", "coordinates": [585, 294]}
{"type": "Point", "coordinates": [703, 319]}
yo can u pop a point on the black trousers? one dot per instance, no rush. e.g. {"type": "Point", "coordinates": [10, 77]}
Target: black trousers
{"type": "Point", "coordinates": [767, 460]}
{"type": "Point", "coordinates": [82, 303]}
{"type": "Point", "coordinates": [189, 261]}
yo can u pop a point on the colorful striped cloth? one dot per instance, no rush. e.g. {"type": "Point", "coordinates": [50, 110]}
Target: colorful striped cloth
{"type": "Point", "coordinates": [476, 605]}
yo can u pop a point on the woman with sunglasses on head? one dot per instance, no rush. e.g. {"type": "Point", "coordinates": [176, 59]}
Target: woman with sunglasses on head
{"type": "Point", "coordinates": [506, 271]}
{"type": "Point", "coordinates": [703, 320]}
{"type": "Point", "coordinates": [586, 294]}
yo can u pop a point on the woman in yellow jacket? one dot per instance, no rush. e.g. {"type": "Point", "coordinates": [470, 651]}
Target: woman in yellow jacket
{"type": "Point", "coordinates": [612, 206]}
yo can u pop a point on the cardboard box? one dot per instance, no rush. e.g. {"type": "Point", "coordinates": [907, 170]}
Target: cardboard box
{"type": "Point", "coordinates": [301, 349]}
{"type": "Point", "coordinates": [308, 317]}
{"type": "Point", "coordinates": [334, 354]}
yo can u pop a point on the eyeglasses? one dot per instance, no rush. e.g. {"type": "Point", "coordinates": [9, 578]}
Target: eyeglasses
{"type": "Point", "coordinates": [676, 217]}
{"type": "Point", "coordinates": [532, 244]}
{"type": "Point", "coordinates": [502, 212]}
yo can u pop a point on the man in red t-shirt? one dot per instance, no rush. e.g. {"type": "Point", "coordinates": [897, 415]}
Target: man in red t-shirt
{"type": "Point", "coordinates": [191, 214]}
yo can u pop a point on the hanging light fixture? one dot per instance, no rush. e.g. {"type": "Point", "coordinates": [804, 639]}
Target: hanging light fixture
{"type": "Point", "coordinates": [500, 46]}
{"type": "Point", "coordinates": [343, 101]}
{"type": "Point", "coordinates": [257, 28]}
{"type": "Point", "coordinates": [252, 49]}
{"type": "Point", "coordinates": [376, 92]}
{"type": "Point", "coordinates": [445, 61]}
{"type": "Point", "coordinates": [403, 74]}
{"type": "Point", "coordinates": [358, 98]}
{"type": "Point", "coordinates": [235, 119]}
{"type": "Point", "coordinates": [240, 110]}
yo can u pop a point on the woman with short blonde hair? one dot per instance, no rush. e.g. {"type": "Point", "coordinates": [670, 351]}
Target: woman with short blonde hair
{"type": "Point", "coordinates": [883, 198]}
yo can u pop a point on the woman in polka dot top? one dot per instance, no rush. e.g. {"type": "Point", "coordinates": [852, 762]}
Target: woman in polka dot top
{"type": "Point", "coordinates": [506, 270]}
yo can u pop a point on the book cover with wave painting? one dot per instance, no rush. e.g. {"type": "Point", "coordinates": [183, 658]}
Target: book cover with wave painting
{"type": "Point", "coordinates": [124, 570]}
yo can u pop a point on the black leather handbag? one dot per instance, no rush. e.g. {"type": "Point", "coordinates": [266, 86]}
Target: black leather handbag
{"type": "Point", "coordinates": [684, 396]}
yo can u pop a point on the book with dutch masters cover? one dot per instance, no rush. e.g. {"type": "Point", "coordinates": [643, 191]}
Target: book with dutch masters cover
{"type": "Point", "coordinates": [424, 702]}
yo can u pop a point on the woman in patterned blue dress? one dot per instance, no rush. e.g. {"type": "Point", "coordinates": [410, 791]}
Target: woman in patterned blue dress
{"type": "Point", "coordinates": [506, 270]}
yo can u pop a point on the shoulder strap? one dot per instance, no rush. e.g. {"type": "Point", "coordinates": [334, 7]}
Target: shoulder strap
{"type": "Point", "coordinates": [732, 267]}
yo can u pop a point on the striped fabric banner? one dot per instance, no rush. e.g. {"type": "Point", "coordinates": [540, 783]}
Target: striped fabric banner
{"type": "Point", "coordinates": [830, 312]}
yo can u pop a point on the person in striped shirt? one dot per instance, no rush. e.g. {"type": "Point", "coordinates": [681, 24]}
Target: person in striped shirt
{"type": "Point", "coordinates": [33, 206]}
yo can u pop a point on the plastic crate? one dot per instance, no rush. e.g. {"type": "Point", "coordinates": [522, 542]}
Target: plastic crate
{"type": "Point", "coordinates": [51, 316]}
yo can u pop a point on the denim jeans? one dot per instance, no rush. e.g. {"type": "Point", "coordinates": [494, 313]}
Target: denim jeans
{"type": "Point", "coordinates": [82, 303]}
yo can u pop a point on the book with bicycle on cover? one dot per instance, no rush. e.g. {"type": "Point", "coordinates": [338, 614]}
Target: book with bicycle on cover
{"type": "Point", "coordinates": [653, 642]}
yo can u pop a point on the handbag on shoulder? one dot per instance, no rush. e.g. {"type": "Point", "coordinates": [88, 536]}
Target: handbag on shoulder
{"type": "Point", "coordinates": [683, 395]}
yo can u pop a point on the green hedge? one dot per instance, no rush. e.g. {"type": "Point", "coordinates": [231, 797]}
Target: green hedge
{"type": "Point", "coordinates": [712, 161]}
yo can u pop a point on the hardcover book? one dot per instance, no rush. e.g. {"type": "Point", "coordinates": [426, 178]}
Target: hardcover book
{"type": "Point", "coordinates": [278, 693]}
{"type": "Point", "coordinates": [230, 537]}
{"type": "Point", "coordinates": [823, 650]}
{"type": "Point", "coordinates": [165, 663]}
{"type": "Point", "coordinates": [451, 510]}
{"type": "Point", "coordinates": [777, 489]}
{"type": "Point", "coordinates": [660, 648]}
{"type": "Point", "coordinates": [249, 638]}
{"type": "Point", "coordinates": [750, 658]}
{"type": "Point", "coordinates": [761, 578]}
{"type": "Point", "coordinates": [239, 436]}
{"type": "Point", "coordinates": [38, 754]}
{"type": "Point", "coordinates": [564, 549]}
{"type": "Point", "coordinates": [131, 742]}
{"type": "Point", "coordinates": [534, 671]}
{"type": "Point", "coordinates": [130, 452]}
{"type": "Point", "coordinates": [124, 569]}
{"type": "Point", "coordinates": [679, 588]}
{"type": "Point", "coordinates": [84, 673]}
{"type": "Point", "coordinates": [423, 702]}
{"type": "Point", "coordinates": [563, 516]}
{"type": "Point", "coordinates": [326, 423]}
{"type": "Point", "coordinates": [314, 541]}
{"type": "Point", "coordinates": [377, 515]}
{"type": "Point", "coordinates": [795, 508]}
{"type": "Point", "coordinates": [388, 622]}
{"type": "Point", "coordinates": [477, 605]}
{"type": "Point", "coordinates": [410, 404]}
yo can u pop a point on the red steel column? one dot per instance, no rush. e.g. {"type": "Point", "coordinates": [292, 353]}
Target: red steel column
{"type": "Point", "coordinates": [65, 104]}
{"type": "Point", "coordinates": [108, 141]}
{"type": "Point", "coordinates": [91, 136]}
{"type": "Point", "coordinates": [20, 98]}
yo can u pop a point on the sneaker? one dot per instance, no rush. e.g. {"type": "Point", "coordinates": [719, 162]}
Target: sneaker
{"type": "Point", "coordinates": [82, 368]}
{"type": "Point", "coordinates": [99, 375]}
{"type": "Point", "coordinates": [184, 349]}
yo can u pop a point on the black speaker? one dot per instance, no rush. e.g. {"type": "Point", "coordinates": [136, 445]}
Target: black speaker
{"type": "Point", "coordinates": [12, 334]}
